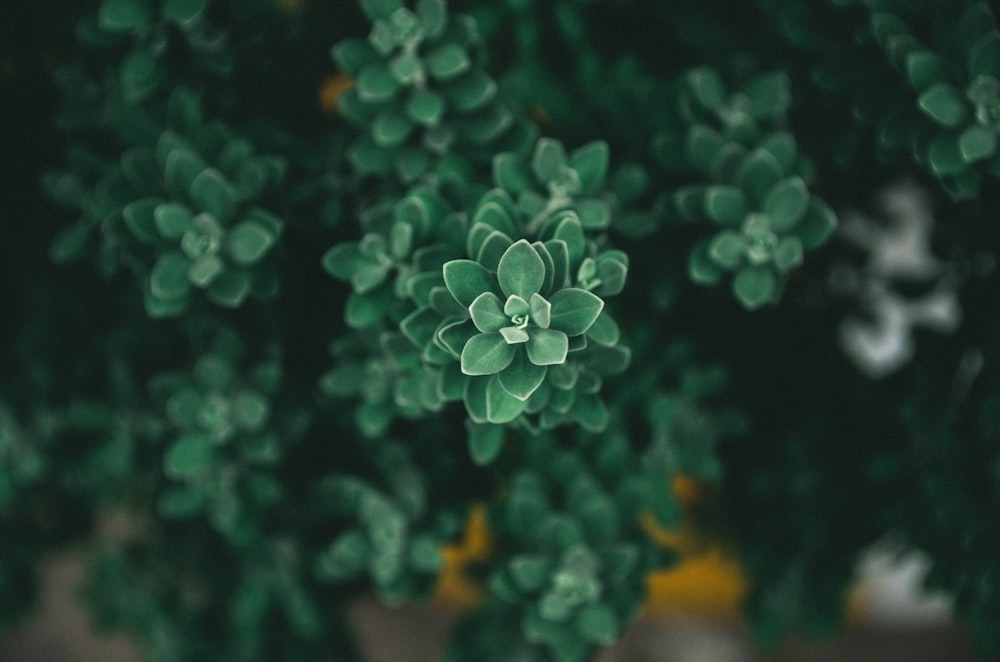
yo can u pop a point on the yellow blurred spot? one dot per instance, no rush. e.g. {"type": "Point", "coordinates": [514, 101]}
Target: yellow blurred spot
{"type": "Point", "coordinates": [290, 5]}
{"type": "Point", "coordinates": [454, 586]}
{"type": "Point", "coordinates": [707, 583]}
{"type": "Point", "coordinates": [330, 90]}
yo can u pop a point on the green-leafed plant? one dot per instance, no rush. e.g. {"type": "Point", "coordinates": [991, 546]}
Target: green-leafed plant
{"type": "Point", "coordinates": [293, 288]}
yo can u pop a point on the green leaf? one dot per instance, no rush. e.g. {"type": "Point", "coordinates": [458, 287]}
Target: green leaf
{"type": "Point", "coordinates": [781, 145]}
{"type": "Point", "coordinates": [548, 160]}
{"type": "Point", "coordinates": [376, 84]}
{"type": "Point", "coordinates": [250, 410]}
{"type": "Point", "coordinates": [425, 107]}
{"type": "Point", "coordinates": [530, 572]}
{"type": "Point", "coordinates": [420, 326]}
{"type": "Point", "coordinates": [180, 170]}
{"type": "Point", "coordinates": [501, 406]}
{"type": "Point", "coordinates": [343, 260]}
{"type": "Point", "coordinates": [540, 311]}
{"type": "Point", "coordinates": [248, 242]}
{"type": "Point", "coordinates": [786, 204]}
{"type": "Point", "coordinates": [231, 288]}
{"type": "Point", "coordinates": [591, 165]}
{"type": "Point", "coordinates": [407, 68]}
{"type": "Point", "coordinates": [485, 442]}
{"type": "Point", "coordinates": [183, 12]}
{"type": "Point", "coordinates": [466, 280]}
{"type": "Point", "coordinates": [352, 54]}
{"type": "Point", "coordinates": [447, 62]}
{"type": "Point", "coordinates": [492, 250]}
{"type": "Point", "coordinates": [755, 286]}
{"type": "Point", "coordinates": [365, 309]}
{"type": "Point", "coordinates": [818, 224]}
{"type": "Point", "coordinates": [924, 68]}
{"type": "Point", "coordinates": [169, 278]}
{"type": "Point", "coordinates": [547, 346]}
{"type": "Point", "coordinates": [944, 104]}
{"type": "Point", "coordinates": [486, 125]}
{"type": "Point", "coordinates": [124, 15]}
{"type": "Point", "coordinates": [594, 214]}
{"type": "Point", "coordinates": [487, 312]}
{"type": "Point", "coordinates": [70, 244]}
{"type": "Point", "coordinates": [559, 252]}
{"type": "Point", "coordinates": [189, 456]}
{"type": "Point", "coordinates": [703, 146]}
{"type": "Point", "coordinates": [140, 219]}
{"type": "Point", "coordinates": [204, 269]}
{"type": "Point", "coordinates": [574, 310]}
{"type": "Point", "coordinates": [726, 249]}
{"type": "Point", "coordinates": [521, 271]}
{"type": "Point", "coordinates": [391, 128]}
{"type": "Point", "coordinates": [522, 377]}
{"type": "Point", "coordinates": [453, 336]}
{"type": "Point", "coordinates": [689, 202]}
{"type": "Point", "coordinates": [726, 205]}
{"type": "Point", "coordinates": [486, 354]}
{"type": "Point", "coordinates": [376, 9]}
{"type": "Point", "coordinates": [707, 87]}
{"type": "Point", "coordinates": [788, 254]}
{"type": "Point", "coordinates": [433, 15]}
{"type": "Point", "coordinates": [597, 624]}
{"type": "Point", "coordinates": [945, 155]}
{"type": "Point", "coordinates": [172, 220]}
{"type": "Point", "coordinates": [140, 73]}
{"type": "Point", "coordinates": [550, 267]}
{"type": "Point", "coordinates": [758, 174]}
{"type": "Point", "coordinates": [451, 383]}
{"type": "Point", "coordinates": [474, 397]}
{"type": "Point", "coordinates": [569, 229]}
{"type": "Point", "coordinates": [612, 269]}
{"type": "Point", "coordinates": [345, 557]}
{"type": "Point", "coordinates": [471, 92]}
{"type": "Point", "coordinates": [701, 267]}
{"type": "Point", "coordinates": [509, 173]}
{"type": "Point", "coordinates": [497, 212]}
{"type": "Point", "coordinates": [977, 142]}
{"type": "Point", "coordinates": [604, 330]}
{"type": "Point", "coordinates": [369, 158]}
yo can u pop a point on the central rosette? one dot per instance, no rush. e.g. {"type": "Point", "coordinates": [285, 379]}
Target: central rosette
{"type": "Point", "coordinates": [525, 314]}
{"type": "Point", "coordinates": [536, 312]}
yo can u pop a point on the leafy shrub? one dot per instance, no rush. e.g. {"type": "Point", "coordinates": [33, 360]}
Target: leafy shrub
{"type": "Point", "coordinates": [297, 287]}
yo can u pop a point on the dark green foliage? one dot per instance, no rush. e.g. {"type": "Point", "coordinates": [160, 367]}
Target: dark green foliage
{"type": "Point", "coordinates": [289, 287]}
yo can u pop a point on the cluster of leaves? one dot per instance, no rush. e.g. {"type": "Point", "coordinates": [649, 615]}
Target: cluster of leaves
{"type": "Point", "coordinates": [420, 91]}
{"type": "Point", "coordinates": [179, 208]}
{"type": "Point", "coordinates": [225, 434]}
{"type": "Point", "coordinates": [951, 125]}
{"type": "Point", "coordinates": [572, 559]}
{"type": "Point", "coordinates": [390, 534]}
{"type": "Point", "coordinates": [755, 189]}
{"type": "Point", "coordinates": [499, 304]}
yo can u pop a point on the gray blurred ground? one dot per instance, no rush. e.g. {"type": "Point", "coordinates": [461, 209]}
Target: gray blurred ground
{"type": "Point", "coordinates": [60, 633]}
